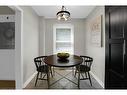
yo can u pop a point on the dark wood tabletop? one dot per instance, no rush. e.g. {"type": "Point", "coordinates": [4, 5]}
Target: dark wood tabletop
{"type": "Point", "coordinates": [53, 60]}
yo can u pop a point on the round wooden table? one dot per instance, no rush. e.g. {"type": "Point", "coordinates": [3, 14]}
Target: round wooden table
{"type": "Point", "coordinates": [72, 61]}
{"type": "Point", "coordinates": [53, 60]}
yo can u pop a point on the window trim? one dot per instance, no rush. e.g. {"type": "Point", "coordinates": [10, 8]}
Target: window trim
{"type": "Point", "coordinates": [55, 26]}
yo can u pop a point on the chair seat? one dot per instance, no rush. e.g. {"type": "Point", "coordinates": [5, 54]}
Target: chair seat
{"type": "Point", "coordinates": [84, 68]}
{"type": "Point", "coordinates": [43, 68]}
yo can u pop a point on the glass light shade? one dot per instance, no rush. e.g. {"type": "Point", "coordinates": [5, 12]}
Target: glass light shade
{"type": "Point", "coordinates": [63, 14]}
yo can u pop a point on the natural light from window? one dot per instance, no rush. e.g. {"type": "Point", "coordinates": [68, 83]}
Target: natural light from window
{"type": "Point", "coordinates": [63, 38]}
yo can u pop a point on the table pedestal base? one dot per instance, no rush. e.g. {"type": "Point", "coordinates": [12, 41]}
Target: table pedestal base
{"type": "Point", "coordinates": [65, 76]}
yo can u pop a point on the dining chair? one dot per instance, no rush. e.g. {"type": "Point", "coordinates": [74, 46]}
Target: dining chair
{"type": "Point", "coordinates": [85, 68]}
{"type": "Point", "coordinates": [42, 68]}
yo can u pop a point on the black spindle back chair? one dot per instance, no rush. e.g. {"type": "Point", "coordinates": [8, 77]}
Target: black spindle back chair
{"type": "Point", "coordinates": [41, 68]}
{"type": "Point", "coordinates": [85, 67]}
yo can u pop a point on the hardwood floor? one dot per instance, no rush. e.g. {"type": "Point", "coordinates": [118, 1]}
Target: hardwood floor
{"type": "Point", "coordinates": [7, 84]}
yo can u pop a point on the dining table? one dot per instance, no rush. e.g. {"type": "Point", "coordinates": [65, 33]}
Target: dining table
{"type": "Point", "coordinates": [71, 61]}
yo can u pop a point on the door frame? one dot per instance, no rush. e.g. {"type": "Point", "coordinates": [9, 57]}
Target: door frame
{"type": "Point", "coordinates": [18, 46]}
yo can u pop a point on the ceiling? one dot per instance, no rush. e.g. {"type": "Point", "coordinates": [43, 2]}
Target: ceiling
{"type": "Point", "coordinates": [76, 11]}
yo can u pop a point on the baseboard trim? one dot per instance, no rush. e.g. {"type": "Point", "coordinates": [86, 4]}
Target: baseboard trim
{"type": "Point", "coordinates": [97, 79]}
{"type": "Point", "coordinates": [29, 80]}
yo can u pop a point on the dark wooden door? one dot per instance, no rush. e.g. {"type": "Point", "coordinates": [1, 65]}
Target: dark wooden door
{"type": "Point", "coordinates": [125, 44]}
{"type": "Point", "coordinates": [115, 68]}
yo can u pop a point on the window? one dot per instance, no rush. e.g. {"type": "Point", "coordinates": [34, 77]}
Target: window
{"type": "Point", "coordinates": [63, 38]}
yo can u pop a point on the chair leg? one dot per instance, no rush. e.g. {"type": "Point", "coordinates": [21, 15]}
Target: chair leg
{"type": "Point", "coordinates": [48, 81]}
{"type": "Point", "coordinates": [75, 72]}
{"type": "Point", "coordinates": [79, 77]}
{"type": "Point", "coordinates": [86, 74]}
{"type": "Point", "coordinates": [36, 78]}
{"type": "Point", "coordinates": [41, 75]}
{"type": "Point", "coordinates": [51, 71]}
{"type": "Point", "coordinates": [90, 79]}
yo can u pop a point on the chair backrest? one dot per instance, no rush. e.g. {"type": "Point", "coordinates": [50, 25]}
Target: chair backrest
{"type": "Point", "coordinates": [87, 61]}
{"type": "Point", "coordinates": [39, 61]}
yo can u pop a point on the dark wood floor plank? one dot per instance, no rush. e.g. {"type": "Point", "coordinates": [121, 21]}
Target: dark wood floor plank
{"type": "Point", "coordinates": [7, 84]}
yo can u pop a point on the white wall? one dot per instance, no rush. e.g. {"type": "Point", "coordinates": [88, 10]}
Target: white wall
{"type": "Point", "coordinates": [98, 53]}
{"type": "Point", "coordinates": [41, 35]}
{"type": "Point", "coordinates": [30, 41]}
{"type": "Point", "coordinates": [6, 10]}
{"type": "Point", "coordinates": [78, 35]}
{"type": "Point", "coordinates": [7, 55]}
{"type": "Point", "coordinates": [7, 66]}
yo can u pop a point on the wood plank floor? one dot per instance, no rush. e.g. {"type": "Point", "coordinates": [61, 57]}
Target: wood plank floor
{"type": "Point", "coordinates": [7, 84]}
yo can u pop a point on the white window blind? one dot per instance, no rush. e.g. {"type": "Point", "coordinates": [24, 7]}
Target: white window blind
{"type": "Point", "coordinates": [63, 39]}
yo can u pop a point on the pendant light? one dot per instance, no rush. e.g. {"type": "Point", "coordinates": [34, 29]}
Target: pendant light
{"type": "Point", "coordinates": [63, 14]}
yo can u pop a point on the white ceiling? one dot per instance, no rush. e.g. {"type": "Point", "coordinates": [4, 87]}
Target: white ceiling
{"type": "Point", "coordinates": [76, 11]}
